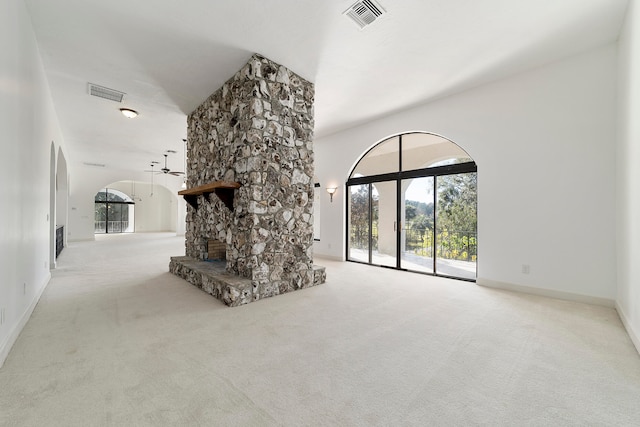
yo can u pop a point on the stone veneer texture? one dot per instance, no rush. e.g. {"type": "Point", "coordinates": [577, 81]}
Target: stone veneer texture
{"type": "Point", "coordinates": [257, 129]}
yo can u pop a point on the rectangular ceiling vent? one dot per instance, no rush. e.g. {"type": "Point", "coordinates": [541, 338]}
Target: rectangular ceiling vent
{"type": "Point", "coordinates": [97, 165]}
{"type": "Point", "coordinates": [106, 93]}
{"type": "Point", "coordinates": [364, 12]}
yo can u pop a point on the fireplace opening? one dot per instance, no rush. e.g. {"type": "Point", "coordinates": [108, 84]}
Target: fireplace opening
{"type": "Point", "coordinates": [216, 250]}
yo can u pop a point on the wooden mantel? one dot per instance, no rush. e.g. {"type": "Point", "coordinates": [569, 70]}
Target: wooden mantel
{"type": "Point", "coordinates": [225, 190]}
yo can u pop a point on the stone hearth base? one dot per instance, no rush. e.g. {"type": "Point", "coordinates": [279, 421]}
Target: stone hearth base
{"type": "Point", "coordinates": [212, 277]}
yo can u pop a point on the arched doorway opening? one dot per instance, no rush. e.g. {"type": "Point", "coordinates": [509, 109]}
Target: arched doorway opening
{"type": "Point", "coordinates": [62, 201]}
{"type": "Point", "coordinates": [58, 203]}
{"type": "Point", "coordinates": [52, 207]}
{"type": "Point", "coordinates": [412, 205]}
{"type": "Point", "coordinates": [142, 207]}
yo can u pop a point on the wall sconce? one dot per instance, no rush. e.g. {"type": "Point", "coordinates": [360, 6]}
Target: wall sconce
{"type": "Point", "coordinates": [331, 190]}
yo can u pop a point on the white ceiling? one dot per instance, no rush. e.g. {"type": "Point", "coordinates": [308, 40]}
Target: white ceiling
{"type": "Point", "coordinates": [168, 56]}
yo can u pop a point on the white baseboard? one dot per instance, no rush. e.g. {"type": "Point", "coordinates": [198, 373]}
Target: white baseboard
{"type": "Point", "coordinates": [328, 257]}
{"type": "Point", "coordinates": [5, 346]}
{"type": "Point", "coordinates": [551, 293]}
{"type": "Point", "coordinates": [635, 338]}
{"type": "Point", "coordinates": [86, 239]}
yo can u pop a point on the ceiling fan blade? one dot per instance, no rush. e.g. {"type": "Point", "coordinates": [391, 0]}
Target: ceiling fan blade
{"type": "Point", "coordinates": [176, 173]}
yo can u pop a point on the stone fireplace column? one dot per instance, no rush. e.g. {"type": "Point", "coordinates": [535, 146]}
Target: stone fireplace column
{"type": "Point", "coordinates": [256, 130]}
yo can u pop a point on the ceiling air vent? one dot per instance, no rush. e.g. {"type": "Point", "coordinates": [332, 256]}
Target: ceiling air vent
{"type": "Point", "coordinates": [364, 12]}
{"type": "Point", "coordinates": [97, 165]}
{"type": "Point", "coordinates": [106, 93]}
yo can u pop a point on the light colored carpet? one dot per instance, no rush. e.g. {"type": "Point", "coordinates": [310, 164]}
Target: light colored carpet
{"type": "Point", "coordinates": [117, 340]}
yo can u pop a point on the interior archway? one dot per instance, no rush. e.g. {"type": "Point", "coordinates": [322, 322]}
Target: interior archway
{"type": "Point", "coordinates": [52, 206]}
{"type": "Point", "coordinates": [156, 208]}
{"type": "Point", "coordinates": [62, 200]}
{"type": "Point", "coordinates": [412, 205]}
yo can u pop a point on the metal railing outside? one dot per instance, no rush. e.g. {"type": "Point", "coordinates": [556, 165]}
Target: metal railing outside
{"type": "Point", "coordinates": [456, 245]}
{"type": "Point", "coordinates": [113, 226]}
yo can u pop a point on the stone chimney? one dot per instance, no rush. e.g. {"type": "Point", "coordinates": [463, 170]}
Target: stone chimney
{"type": "Point", "coordinates": [256, 130]}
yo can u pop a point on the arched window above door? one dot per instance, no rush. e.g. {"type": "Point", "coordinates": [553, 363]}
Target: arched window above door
{"type": "Point", "coordinates": [407, 152]}
{"type": "Point", "coordinates": [111, 195]}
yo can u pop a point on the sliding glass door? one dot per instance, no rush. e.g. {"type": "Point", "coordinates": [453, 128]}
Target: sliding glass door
{"type": "Point", "coordinates": [417, 238]}
{"type": "Point", "coordinates": [412, 206]}
{"type": "Point", "coordinates": [114, 212]}
{"type": "Point", "coordinates": [373, 223]}
{"type": "Point", "coordinates": [456, 225]}
{"type": "Point", "coordinates": [359, 209]}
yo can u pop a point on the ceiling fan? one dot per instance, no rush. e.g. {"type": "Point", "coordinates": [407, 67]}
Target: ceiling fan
{"type": "Point", "coordinates": [168, 171]}
{"type": "Point", "coordinates": [165, 170]}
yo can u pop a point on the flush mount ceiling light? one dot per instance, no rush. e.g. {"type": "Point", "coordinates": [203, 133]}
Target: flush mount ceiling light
{"type": "Point", "coordinates": [129, 113]}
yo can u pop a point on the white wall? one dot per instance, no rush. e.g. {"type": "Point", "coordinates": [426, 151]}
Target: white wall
{"type": "Point", "coordinates": [543, 142]}
{"type": "Point", "coordinates": [628, 178]}
{"type": "Point", "coordinates": [28, 126]}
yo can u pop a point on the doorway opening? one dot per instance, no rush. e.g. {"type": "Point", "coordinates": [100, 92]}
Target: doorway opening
{"type": "Point", "coordinates": [412, 205]}
{"type": "Point", "coordinates": [114, 212]}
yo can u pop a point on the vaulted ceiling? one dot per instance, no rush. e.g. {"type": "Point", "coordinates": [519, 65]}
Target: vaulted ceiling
{"type": "Point", "coordinates": [169, 56]}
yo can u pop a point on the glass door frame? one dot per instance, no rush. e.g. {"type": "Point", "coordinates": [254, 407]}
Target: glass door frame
{"type": "Point", "coordinates": [120, 203]}
{"type": "Point", "coordinates": [370, 222]}
{"type": "Point", "coordinates": [369, 210]}
{"type": "Point", "coordinates": [436, 171]}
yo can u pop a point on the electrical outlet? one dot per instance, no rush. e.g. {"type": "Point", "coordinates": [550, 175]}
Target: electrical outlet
{"type": "Point", "coordinates": [526, 268]}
